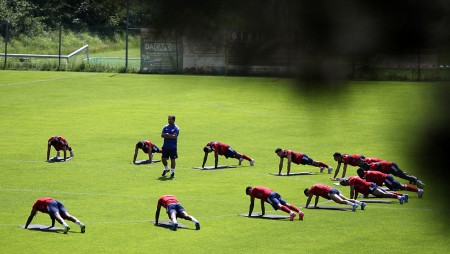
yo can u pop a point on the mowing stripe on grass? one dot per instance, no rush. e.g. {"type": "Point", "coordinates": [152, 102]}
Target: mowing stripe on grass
{"type": "Point", "coordinates": [45, 80]}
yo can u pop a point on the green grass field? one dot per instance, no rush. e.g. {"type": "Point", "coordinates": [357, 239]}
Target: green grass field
{"type": "Point", "coordinates": [103, 115]}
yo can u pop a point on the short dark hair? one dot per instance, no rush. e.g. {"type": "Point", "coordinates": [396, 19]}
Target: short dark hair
{"type": "Point", "coordinates": [337, 154]}
{"type": "Point", "coordinates": [247, 190]}
{"type": "Point", "coordinates": [172, 116]}
{"type": "Point", "coordinates": [360, 172]}
{"type": "Point", "coordinates": [278, 149]}
{"type": "Point", "coordinates": [140, 144]}
{"type": "Point", "coordinates": [305, 191]}
{"type": "Point", "coordinates": [205, 149]}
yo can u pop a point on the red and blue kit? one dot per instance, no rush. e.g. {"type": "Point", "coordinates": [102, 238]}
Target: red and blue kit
{"type": "Point", "coordinates": [59, 143]}
{"type": "Point", "coordinates": [296, 157]}
{"type": "Point", "coordinates": [42, 204]}
{"type": "Point", "coordinates": [149, 146]}
{"type": "Point", "coordinates": [218, 147]}
{"type": "Point", "coordinates": [382, 166]}
{"type": "Point", "coordinates": [260, 192]}
{"type": "Point", "coordinates": [166, 200]}
{"type": "Point", "coordinates": [360, 185]}
{"type": "Point", "coordinates": [371, 160]}
{"type": "Point", "coordinates": [320, 190]}
{"type": "Point", "coordinates": [351, 159]}
{"type": "Point", "coordinates": [375, 177]}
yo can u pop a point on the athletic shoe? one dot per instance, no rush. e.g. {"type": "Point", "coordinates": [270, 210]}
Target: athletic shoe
{"type": "Point", "coordinates": [241, 160]}
{"type": "Point", "coordinates": [172, 175]}
{"type": "Point", "coordinates": [330, 169]}
{"type": "Point", "coordinates": [197, 225]}
{"type": "Point", "coordinates": [164, 172]}
{"type": "Point", "coordinates": [83, 228]}
{"type": "Point", "coordinates": [406, 197]}
{"type": "Point", "coordinates": [174, 226]}
{"type": "Point", "coordinates": [420, 193]}
{"type": "Point", "coordinates": [71, 154]}
{"type": "Point", "coordinates": [301, 215]}
{"type": "Point", "coordinates": [57, 154]}
{"type": "Point", "coordinates": [354, 207]}
{"type": "Point", "coordinates": [292, 216]}
{"type": "Point", "coordinates": [66, 229]}
{"type": "Point", "coordinates": [401, 199]}
{"type": "Point", "coordinates": [363, 205]}
{"type": "Point", "coordinates": [321, 169]}
{"type": "Point", "coordinates": [252, 163]}
{"type": "Point", "coordinates": [420, 184]}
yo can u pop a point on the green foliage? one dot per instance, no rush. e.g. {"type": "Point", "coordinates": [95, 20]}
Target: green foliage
{"type": "Point", "coordinates": [104, 115]}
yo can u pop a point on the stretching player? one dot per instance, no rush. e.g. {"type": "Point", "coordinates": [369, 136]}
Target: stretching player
{"type": "Point", "coordinates": [327, 192]}
{"type": "Point", "coordinates": [59, 143]}
{"type": "Point", "coordinates": [223, 149]}
{"type": "Point", "coordinates": [298, 158]}
{"type": "Point", "coordinates": [174, 210]}
{"type": "Point", "coordinates": [147, 147]}
{"type": "Point", "coordinates": [388, 180]}
{"type": "Point", "coordinates": [273, 198]}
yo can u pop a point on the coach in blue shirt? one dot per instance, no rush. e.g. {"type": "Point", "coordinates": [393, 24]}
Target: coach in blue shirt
{"type": "Point", "coordinates": [170, 134]}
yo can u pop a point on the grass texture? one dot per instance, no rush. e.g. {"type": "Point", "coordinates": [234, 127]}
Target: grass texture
{"type": "Point", "coordinates": [103, 115]}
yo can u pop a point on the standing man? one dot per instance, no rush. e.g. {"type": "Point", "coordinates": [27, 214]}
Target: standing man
{"type": "Point", "coordinates": [174, 210]}
{"type": "Point", "coordinates": [220, 148]}
{"type": "Point", "coordinates": [59, 143]}
{"type": "Point", "coordinates": [148, 147]}
{"type": "Point", "coordinates": [170, 134]}
{"type": "Point", "coordinates": [298, 158]}
{"type": "Point", "coordinates": [56, 210]}
{"type": "Point", "coordinates": [273, 198]}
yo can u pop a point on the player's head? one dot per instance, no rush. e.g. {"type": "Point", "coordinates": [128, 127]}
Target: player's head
{"type": "Point", "coordinates": [279, 151]}
{"type": "Point", "coordinates": [54, 141]}
{"type": "Point", "coordinates": [207, 149]}
{"type": "Point", "coordinates": [306, 192]}
{"type": "Point", "coordinates": [171, 119]}
{"type": "Point", "coordinates": [140, 144]}
{"type": "Point", "coordinates": [344, 182]}
{"type": "Point", "coordinates": [337, 156]}
{"type": "Point", "coordinates": [360, 172]}
{"type": "Point", "coordinates": [248, 189]}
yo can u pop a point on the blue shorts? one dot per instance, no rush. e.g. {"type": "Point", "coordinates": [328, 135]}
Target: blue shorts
{"type": "Point", "coordinates": [55, 207]}
{"type": "Point", "coordinates": [176, 208]}
{"type": "Point", "coordinates": [275, 200]}
{"type": "Point", "coordinates": [372, 187]}
{"type": "Point", "coordinates": [230, 153]}
{"type": "Point", "coordinates": [306, 160]}
{"type": "Point", "coordinates": [391, 183]}
{"type": "Point", "coordinates": [333, 191]}
{"type": "Point", "coordinates": [169, 153]}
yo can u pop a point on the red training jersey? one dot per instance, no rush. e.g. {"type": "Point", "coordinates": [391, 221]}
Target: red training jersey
{"type": "Point", "coordinates": [166, 200]}
{"type": "Point", "coordinates": [148, 146]}
{"type": "Point", "coordinates": [218, 147]}
{"type": "Point", "coordinates": [62, 142]}
{"type": "Point", "coordinates": [382, 166]}
{"type": "Point", "coordinates": [351, 159]}
{"type": "Point", "coordinates": [359, 185]}
{"type": "Point", "coordinates": [320, 190]}
{"type": "Point", "coordinates": [375, 177]}
{"type": "Point", "coordinates": [371, 160]}
{"type": "Point", "coordinates": [260, 192]}
{"type": "Point", "coordinates": [41, 204]}
{"type": "Point", "coordinates": [296, 157]}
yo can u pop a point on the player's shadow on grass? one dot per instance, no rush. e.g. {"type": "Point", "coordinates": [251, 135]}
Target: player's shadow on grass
{"type": "Point", "coordinates": [165, 178]}
{"type": "Point", "coordinates": [44, 228]}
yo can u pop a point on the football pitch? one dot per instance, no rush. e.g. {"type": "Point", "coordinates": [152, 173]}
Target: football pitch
{"type": "Point", "coordinates": [103, 115]}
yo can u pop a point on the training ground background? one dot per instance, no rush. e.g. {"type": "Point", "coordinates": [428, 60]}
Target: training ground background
{"type": "Point", "coordinates": [103, 115]}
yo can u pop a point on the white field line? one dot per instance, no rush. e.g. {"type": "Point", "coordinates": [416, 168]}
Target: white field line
{"type": "Point", "coordinates": [45, 80]}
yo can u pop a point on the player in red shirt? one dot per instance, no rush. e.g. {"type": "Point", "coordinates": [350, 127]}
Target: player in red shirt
{"type": "Point", "coordinates": [147, 147]}
{"type": "Point", "coordinates": [345, 159]}
{"type": "Point", "coordinates": [298, 158]}
{"type": "Point", "coordinates": [392, 168]}
{"type": "Point", "coordinates": [381, 178]}
{"type": "Point", "coordinates": [59, 143]}
{"type": "Point", "coordinates": [56, 210]}
{"type": "Point", "coordinates": [223, 149]}
{"type": "Point", "coordinates": [359, 185]}
{"type": "Point", "coordinates": [267, 195]}
{"type": "Point", "coordinates": [174, 210]}
{"type": "Point", "coordinates": [330, 193]}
